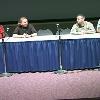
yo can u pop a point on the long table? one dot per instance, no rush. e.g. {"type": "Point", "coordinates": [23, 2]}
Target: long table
{"type": "Point", "coordinates": [80, 51]}
{"type": "Point", "coordinates": [41, 53]}
{"type": "Point", "coordinates": [32, 54]}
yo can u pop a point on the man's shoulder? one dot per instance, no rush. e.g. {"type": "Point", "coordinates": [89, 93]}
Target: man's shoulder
{"type": "Point", "coordinates": [30, 25]}
{"type": "Point", "coordinates": [88, 22]}
{"type": "Point", "coordinates": [75, 25]}
{"type": "Point", "coordinates": [18, 27]}
{"type": "Point", "coordinates": [99, 21]}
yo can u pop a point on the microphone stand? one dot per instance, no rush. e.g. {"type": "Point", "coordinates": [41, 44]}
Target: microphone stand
{"type": "Point", "coordinates": [60, 71]}
{"type": "Point", "coordinates": [4, 60]}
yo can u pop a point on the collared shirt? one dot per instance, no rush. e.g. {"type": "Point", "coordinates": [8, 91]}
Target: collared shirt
{"type": "Point", "coordinates": [98, 25]}
{"type": "Point", "coordinates": [86, 27]}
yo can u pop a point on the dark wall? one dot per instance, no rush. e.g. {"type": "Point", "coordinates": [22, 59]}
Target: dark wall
{"type": "Point", "coordinates": [11, 10]}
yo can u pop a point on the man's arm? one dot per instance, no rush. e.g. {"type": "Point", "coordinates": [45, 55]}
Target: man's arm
{"type": "Point", "coordinates": [2, 31]}
{"type": "Point", "coordinates": [98, 26]}
{"type": "Point", "coordinates": [90, 28]}
{"type": "Point", "coordinates": [33, 30]}
{"type": "Point", "coordinates": [75, 30]}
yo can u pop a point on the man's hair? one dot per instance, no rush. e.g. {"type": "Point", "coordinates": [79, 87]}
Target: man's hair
{"type": "Point", "coordinates": [20, 20]}
{"type": "Point", "coordinates": [80, 15]}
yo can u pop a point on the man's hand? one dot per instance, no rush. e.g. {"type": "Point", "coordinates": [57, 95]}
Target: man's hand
{"type": "Point", "coordinates": [34, 34]}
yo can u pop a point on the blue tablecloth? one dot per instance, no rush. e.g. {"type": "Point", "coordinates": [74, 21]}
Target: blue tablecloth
{"type": "Point", "coordinates": [2, 58]}
{"type": "Point", "coordinates": [80, 53]}
{"type": "Point", "coordinates": [32, 56]}
{"type": "Point", "coordinates": [44, 55]}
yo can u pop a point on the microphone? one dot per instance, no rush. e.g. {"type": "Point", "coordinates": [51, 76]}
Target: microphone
{"type": "Point", "coordinates": [7, 29]}
{"type": "Point", "coordinates": [57, 25]}
{"type": "Point", "coordinates": [58, 28]}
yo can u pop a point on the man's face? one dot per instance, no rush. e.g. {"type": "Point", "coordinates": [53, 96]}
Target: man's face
{"type": "Point", "coordinates": [24, 23]}
{"type": "Point", "coordinates": [80, 19]}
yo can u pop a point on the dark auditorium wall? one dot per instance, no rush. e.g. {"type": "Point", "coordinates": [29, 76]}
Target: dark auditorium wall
{"type": "Point", "coordinates": [11, 10]}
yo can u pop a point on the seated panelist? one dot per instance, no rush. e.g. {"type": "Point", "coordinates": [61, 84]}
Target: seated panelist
{"type": "Point", "coordinates": [82, 26]}
{"type": "Point", "coordinates": [2, 32]}
{"type": "Point", "coordinates": [24, 29]}
{"type": "Point", "coordinates": [98, 26]}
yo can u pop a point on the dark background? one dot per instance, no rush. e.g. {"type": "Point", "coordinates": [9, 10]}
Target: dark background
{"type": "Point", "coordinates": [36, 10]}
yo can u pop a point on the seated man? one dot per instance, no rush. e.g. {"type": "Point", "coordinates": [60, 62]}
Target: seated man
{"type": "Point", "coordinates": [82, 26]}
{"type": "Point", "coordinates": [24, 29]}
{"type": "Point", "coordinates": [98, 26]}
{"type": "Point", "coordinates": [2, 32]}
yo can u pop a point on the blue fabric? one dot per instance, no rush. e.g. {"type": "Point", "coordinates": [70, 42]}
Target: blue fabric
{"type": "Point", "coordinates": [45, 55]}
{"type": "Point", "coordinates": [2, 53]}
{"type": "Point", "coordinates": [32, 56]}
{"type": "Point", "coordinates": [80, 53]}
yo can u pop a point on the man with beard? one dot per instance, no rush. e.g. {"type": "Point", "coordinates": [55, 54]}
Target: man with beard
{"type": "Point", "coordinates": [82, 26]}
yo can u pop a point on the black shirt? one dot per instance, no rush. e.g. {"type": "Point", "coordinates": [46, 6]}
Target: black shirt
{"type": "Point", "coordinates": [28, 30]}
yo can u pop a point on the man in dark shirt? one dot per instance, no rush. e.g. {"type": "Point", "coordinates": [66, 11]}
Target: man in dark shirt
{"type": "Point", "coordinates": [24, 29]}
